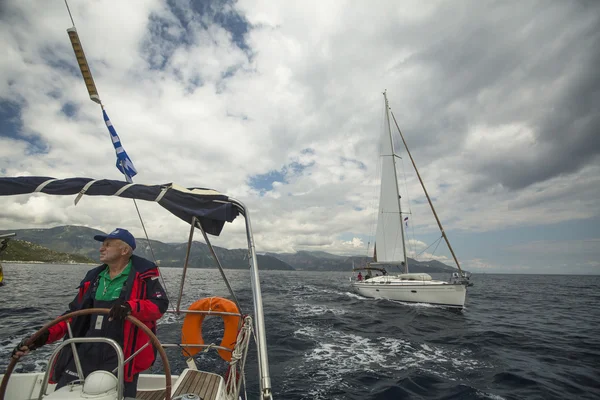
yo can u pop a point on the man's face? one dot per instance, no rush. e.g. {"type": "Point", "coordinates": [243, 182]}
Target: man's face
{"type": "Point", "coordinates": [112, 250]}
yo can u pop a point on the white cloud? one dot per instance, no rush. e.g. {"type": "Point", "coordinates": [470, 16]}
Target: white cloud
{"type": "Point", "coordinates": [355, 243]}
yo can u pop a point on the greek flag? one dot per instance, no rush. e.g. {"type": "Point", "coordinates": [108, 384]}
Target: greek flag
{"type": "Point", "coordinates": [124, 163]}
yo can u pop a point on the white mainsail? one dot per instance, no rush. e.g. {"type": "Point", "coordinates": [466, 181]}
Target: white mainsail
{"type": "Point", "coordinates": [389, 240]}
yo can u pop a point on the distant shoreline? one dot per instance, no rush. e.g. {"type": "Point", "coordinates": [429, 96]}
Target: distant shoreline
{"type": "Point", "coordinates": [46, 262]}
{"type": "Point", "coordinates": [287, 271]}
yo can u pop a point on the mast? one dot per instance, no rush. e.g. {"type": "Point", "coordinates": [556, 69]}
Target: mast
{"type": "Point", "coordinates": [427, 195]}
{"type": "Point", "coordinates": [393, 155]}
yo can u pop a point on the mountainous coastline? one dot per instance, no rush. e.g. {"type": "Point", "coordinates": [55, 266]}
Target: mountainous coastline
{"type": "Point", "coordinates": [21, 250]}
{"type": "Point", "coordinates": [79, 240]}
{"type": "Point", "coordinates": [322, 261]}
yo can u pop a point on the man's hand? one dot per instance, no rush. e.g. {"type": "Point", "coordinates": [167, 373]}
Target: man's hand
{"type": "Point", "coordinates": [22, 350]}
{"type": "Point", "coordinates": [120, 310]}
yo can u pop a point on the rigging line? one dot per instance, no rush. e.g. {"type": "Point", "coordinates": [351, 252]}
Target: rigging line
{"type": "Point", "coordinates": [69, 10]}
{"type": "Point", "coordinates": [162, 279]}
{"type": "Point", "coordinates": [436, 246]}
{"type": "Point", "coordinates": [425, 249]}
{"type": "Point", "coordinates": [428, 198]}
{"type": "Point", "coordinates": [408, 202]}
{"type": "Point", "coordinates": [412, 247]}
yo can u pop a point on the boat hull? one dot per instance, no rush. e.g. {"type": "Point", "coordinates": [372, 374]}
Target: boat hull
{"type": "Point", "coordinates": [447, 294]}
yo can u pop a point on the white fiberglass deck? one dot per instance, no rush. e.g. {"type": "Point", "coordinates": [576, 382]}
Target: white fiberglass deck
{"type": "Point", "coordinates": [207, 386]}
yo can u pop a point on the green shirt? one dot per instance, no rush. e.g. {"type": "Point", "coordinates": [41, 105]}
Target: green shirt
{"type": "Point", "coordinates": [110, 289]}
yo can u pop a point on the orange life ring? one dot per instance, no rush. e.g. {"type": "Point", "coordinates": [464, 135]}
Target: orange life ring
{"type": "Point", "coordinates": [191, 331]}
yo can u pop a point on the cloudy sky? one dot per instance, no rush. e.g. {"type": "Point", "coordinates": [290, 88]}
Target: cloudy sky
{"type": "Point", "coordinates": [280, 104]}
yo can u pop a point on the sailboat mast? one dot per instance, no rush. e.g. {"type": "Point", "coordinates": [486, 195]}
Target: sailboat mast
{"type": "Point", "coordinates": [427, 195]}
{"type": "Point", "coordinates": [387, 117]}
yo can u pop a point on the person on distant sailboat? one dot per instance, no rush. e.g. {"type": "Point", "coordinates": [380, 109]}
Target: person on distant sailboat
{"type": "Point", "coordinates": [359, 277]}
{"type": "Point", "coordinates": [126, 284]}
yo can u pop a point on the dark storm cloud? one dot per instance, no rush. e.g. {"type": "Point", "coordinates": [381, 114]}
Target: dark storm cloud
{"type": "Point", "coordinates": [495, 64]}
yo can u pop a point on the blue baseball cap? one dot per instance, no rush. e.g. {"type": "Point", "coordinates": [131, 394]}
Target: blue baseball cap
{"type": "Point", "coordinates": [119, 233]}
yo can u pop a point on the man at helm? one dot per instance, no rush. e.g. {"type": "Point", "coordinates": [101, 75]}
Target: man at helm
{"type": "Point", "coordinates": [126, 284]}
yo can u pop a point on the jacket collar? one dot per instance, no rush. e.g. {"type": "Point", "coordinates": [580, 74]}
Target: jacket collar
{"type": "Point", "coordinates": [139, 265]}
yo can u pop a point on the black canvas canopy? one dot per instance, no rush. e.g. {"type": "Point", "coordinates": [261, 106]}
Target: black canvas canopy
{"type": "Point", "coordinates": [210, 207]}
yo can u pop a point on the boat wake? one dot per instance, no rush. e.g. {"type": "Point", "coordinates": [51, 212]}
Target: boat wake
{"type": "Point", "coordinates": [311, 310]}
{"type": "Point", "coordinates": [355, 296]}
{"type": "Point", "coordinates": [337, 355]}
{"type": "Point", "coordinates": [424, 305]}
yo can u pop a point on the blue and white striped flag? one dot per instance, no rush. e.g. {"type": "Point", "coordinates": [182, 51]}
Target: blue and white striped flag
{"type": "Point", "coordinates": [124, 163]}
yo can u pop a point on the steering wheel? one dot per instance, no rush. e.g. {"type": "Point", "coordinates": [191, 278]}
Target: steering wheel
{"type": "Point", "coordinates": [153, 339]}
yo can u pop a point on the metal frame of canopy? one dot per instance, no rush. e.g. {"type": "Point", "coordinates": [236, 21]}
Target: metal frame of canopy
{"type": "Point", "coordinates": [215, 210]}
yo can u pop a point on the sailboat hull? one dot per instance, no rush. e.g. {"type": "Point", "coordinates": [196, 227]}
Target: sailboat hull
{"type": "Point", "coordinates": [435, 292]}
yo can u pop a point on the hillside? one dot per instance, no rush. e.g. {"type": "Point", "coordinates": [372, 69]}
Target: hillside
{"type": "Point", "coordinates": [80, 240]}
{"type": "Point", "coordinates": [21, 250]}
{"type": "Point", "coordinates": [322, 261]}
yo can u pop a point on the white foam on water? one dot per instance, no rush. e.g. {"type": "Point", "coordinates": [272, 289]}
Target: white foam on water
{"type": "Point", "coordinates": [11, 344]}
{"type": "Point", "coordinates": [354, 296]}
{"type": "Point", "coordinates": [446, 358]}
{"type": "Point", "coordinates": [311, 310]}
{"type": "Point", "coordinates": [305, 289]}
{"type": "Point", "coordinates": [40, 365]}
{"type": "Point", "coordinates": [338, 354]}
{"type": "Point", "coordinates": [309, 331]}
{"type": "Point", "coordinates": [168, 319]}
{"type": "Point", "coordinates": [490, 396]}
{"type": "Point", "coordinates": [418, 305]}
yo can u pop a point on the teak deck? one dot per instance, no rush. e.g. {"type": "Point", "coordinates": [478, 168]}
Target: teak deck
{"type": "Point", "coordinates": [201, 383]}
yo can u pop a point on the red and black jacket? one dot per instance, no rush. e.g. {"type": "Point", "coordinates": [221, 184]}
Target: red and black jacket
{"type": "Point", "coordinates": [148, 302]}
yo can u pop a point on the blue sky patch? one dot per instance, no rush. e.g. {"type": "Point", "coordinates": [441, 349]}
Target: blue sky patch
{"type": "Point", "coordinates": [158, 55]}
{"type": "Point", "coordinates": [358, 163]}
{"type": "Point", "coordinates": [69, 109]}
{"type": "Point", "coordinates": [10, 119]}
{"type": "Point", "coordinates": [264, 182]}
{"type": "Point", "coordinates": [11, 127]}
{"type": "Point", "coordinates": [220, 12]}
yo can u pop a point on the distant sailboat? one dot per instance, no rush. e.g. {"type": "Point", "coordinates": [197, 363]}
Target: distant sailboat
{"type": "Point", "coordinates": [4, 238]}
{"type": "Point", "coordinates": [390, 248]}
